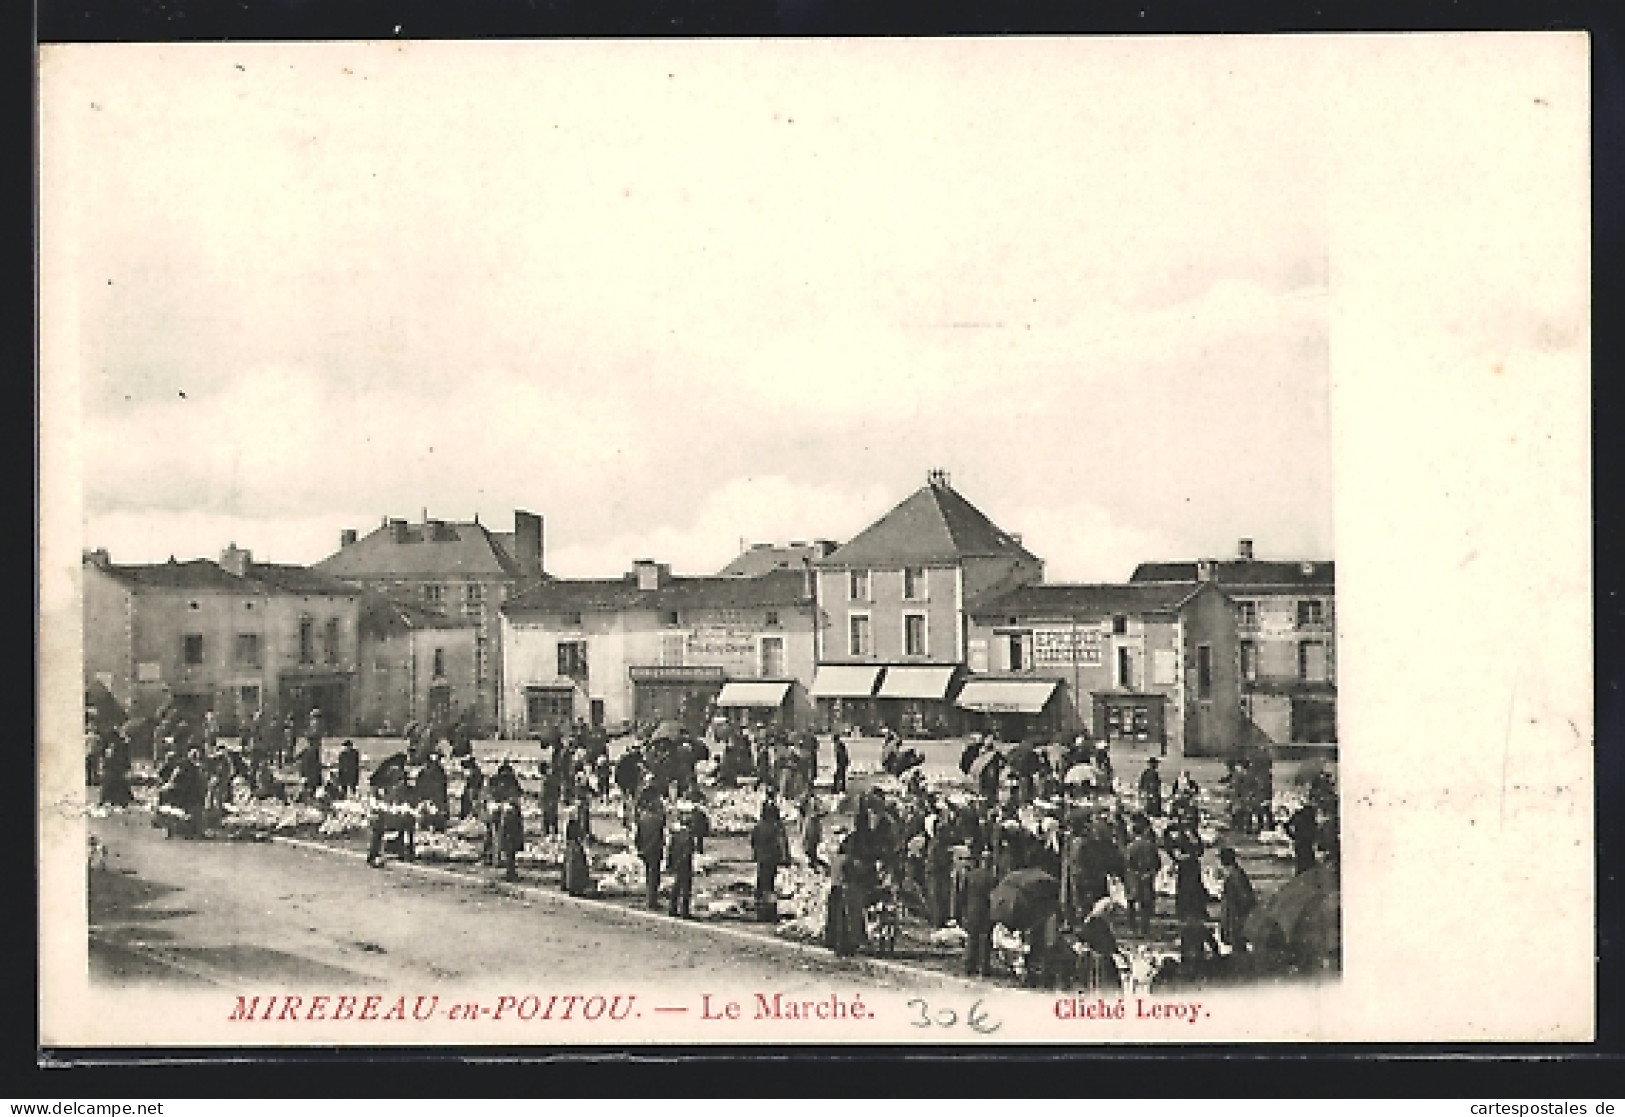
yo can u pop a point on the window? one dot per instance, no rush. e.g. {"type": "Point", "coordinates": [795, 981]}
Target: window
{"type": "Point", "coordinates": [434, 594]}
{"type": "Point", "coordinates": [573, 658]}
{"type": "Point", "coordinates": [248, 697]}
{"type": "Point", "coordinates": [772, 657]}
{"type": "Point", "coordinates": [548, 707]}
{"type": "Point", "coordinates": [1125, 668]}
{"type": "Point", "coordinates": [772, 620]}
{"type": "Point", "coordinates": [482, 657]}
{"type": "Point", "coordinates": [857, 588]}
{"type": "Point", "coordinates": [914, 583]}
{"type": "Point", "coordinates": [1247, 613]}
{"type": "Point", "coordinates": [440, 663]}
{"type": "Point", "coordinates": [573, 620]}
{"type": "Point", "coordinates": [858, 630]}
{"type": "Point", "coordinates": [1204, 671]}
{"type": "Point", "coordinates": [1018, 661]}
{"type": "Point", "coordinates": [248, 649]}
{"type": "Point", "coordinates": [1249, 660]}
{"type": "Point", "coordinates": [671, 651]}
{"type": "Point", "coordinates": [1312, 661]}
{"type": "Point", "coordinates": [307, 640]}
{"type": "Point", "coordinates": [332, 639]}
{"type": "Point", "coordinates": [914, 634]}
{"type": "Point", "coordinates": [669, 618]}
{"type": "Point", "coordinates": [1311, 614]}
{"type": "Point", "coordinates": [192, 648]}
{"type": "Point", "coordinates": [1120, 625]}
{"type": "Point", "coordinates": [474, 592]}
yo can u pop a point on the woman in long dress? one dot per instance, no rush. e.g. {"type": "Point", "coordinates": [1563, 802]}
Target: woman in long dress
{"type": "Point", "coordinates": [844, 930]}
{"type": "Point", "coordinates": [577, 875]}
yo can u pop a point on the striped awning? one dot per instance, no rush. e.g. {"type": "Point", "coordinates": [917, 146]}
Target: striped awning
{"type": "Point", "coordinates": [916, 682]}
{"type": "Point", "coordinates": [760, 695]}
{"type": "Point", "coordinates": [845, 681]}
{"type": "Point", "coordinates": [1007, 696]}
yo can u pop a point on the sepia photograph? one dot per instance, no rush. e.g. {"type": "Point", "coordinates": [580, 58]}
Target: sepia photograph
{"type": "Point", "coordinates": [575, 542]}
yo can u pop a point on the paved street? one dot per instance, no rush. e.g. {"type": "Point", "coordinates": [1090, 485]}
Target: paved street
{"type": "Point", "coordinates": [222, 912]}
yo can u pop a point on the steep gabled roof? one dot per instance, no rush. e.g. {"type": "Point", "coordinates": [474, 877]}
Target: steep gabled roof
{"type": "Point", "coordinates": [1081, 600]}
{"type": "Point", "coordinates": [425, 551]}
{"type": "Point", "coordinates": [784, 588]}
{"type": "Point", "coordinates": [1246, 574]}
{"type": "Point", "coordinates": [934, 525]}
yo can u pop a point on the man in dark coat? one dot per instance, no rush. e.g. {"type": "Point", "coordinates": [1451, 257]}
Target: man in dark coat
{"type": "Point", "coordinates": [1142, 862]}
{"type": "Point", "coordinates": [843, 761]}
{"type": "Point", "coordinates": [768, 848]}
{"type": "Point", "coordinates": [976, 917]}
{"type": "Point", "coordinates": [310, 765]}
{"type": "Point", "coordinates": [186, 790]}
{"type": "Point", "coordinates": [432, 788]}
{"type": "Point", "coordinates": [1236, 901]}
{"type": "Point", "coordinates": [348, 775]}
{"type": "Point", "coordinates": [1151, 789]}
{"type": "Point", "coordinates": [680, 856]}
{"type": "Point", "coordinates": [1304, 831]}
{"type": "Point", "coordinates": [473, 787]}
{"type": "Point", "coordinates": [650, 839]}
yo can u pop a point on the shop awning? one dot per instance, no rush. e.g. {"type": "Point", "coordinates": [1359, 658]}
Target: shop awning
{"type": "Point", "coordinates": [1007, 696]}
{"type": "Point", "coordinates": [916, 682]}
{"type": "Point", "coordinates": [845, 681]}
{"type": "Point", "coordinates": [761, 695]}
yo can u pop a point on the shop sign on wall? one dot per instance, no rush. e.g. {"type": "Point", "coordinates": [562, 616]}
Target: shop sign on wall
{"type": "Point", "coordinates": [720, 644]}
{"type": "Point", "coordinates": [1067, 647]}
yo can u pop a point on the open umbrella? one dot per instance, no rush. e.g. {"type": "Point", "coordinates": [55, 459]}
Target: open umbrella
{"type": "Point", "coordinates": [1022, 759]}
{"type": "Point", "coordinates": [390, 770]}
{"type": "Point", "coordinates": [1024, 897]}
{"type": "Point", "coordinates": [667, 731]}
{"type": "Point", "coordinates": [968, 756]}
{"type": "Point", "coordinates": [1080, 774]}
{"type": "Point", "coordinates": [1306, 913]}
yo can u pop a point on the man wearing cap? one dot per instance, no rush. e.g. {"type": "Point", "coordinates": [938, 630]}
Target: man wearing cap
{"type": "Point", "coordinates": [650, 839]}
{"type": "Point", "coordinates": [1151, 789]}
{"type": "Point", "coordinates": [348, 775]}
{"type": "Point", "coordinates": [1236, 901]}
{"type": "Point", "coordinates": [1141, 862]}
{"type": "Point", "coordinates": [976, 916]}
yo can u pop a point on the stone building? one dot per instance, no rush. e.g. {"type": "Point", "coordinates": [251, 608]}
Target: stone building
{"type": "Point", "coordinates": [450, 568]}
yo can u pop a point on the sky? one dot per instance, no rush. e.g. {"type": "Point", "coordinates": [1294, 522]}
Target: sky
{"type": "Point", "coordinates": [673, 296]}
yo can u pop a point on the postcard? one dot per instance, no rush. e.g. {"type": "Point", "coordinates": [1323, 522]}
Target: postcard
{"type": "Point", "coordinates": [1026, 540]}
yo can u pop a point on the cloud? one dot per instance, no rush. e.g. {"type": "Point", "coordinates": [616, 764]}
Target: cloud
{"type": "Point", "coordinates": [768, 508]}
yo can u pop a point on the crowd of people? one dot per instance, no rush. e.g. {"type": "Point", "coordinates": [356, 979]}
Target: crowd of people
{"type": "Point", "coordinates": [1045, 841]}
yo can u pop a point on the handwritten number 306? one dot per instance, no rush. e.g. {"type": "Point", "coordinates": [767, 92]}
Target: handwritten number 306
{"type": "Point", "coordinates": [975, 1019]}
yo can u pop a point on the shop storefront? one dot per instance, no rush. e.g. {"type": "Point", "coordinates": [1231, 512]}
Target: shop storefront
{"type": "Point", "coordinates": [328, 692]}
{"type": "Point", "coordinates": [550, 707]}
{"type": "Point", "coordinates": [684, 694]}
{"type": "Point", "coordinates": [844, 695]}
{"type": "Point", "coordinates": [1013, 709]}
{"type": "Point", "coordinates": [1131, 717]}
{"type": "Point", "coordinates": [914, 701]}
{"type": "Point", "coordinates": [757, 703]}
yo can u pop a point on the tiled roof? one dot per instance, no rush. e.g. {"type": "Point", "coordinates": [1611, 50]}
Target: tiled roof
{"type": "Point", "coordinates": [765, 558]}
{"type": "Point", "coordinates": [301, 580]}
{"type": "Point", "coordinates": [1063, 599]}
{"type": "Point", "coordinates": [933, 525]}
{"type": "Point", "coordinates": [1244, 574]}
{"type": "Point", "coordinates": [380, 612]}
{"type": "Point", "coordinates": [203, 575]}
{"type": "Point", "coordinates": [582, 595]}
{"type": "Point", "coordinates": [465, 549]}
{"type": "Point", "coordinates": [194, 574]}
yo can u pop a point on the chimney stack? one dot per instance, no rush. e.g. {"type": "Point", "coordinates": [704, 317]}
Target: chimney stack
{"type": "Point", "coordinates": [1244, 550]}
{"type": "Point", "coordinates": [527, 542]}
{"type": "Point", "coordinates": [236, 559]}
{"type": "Point", "coordinates": [346, 537]}
{"type": "Point", "coordinates": [937, 478]}
{"type": "Point", "coordinates": [99, 558]}
{"type": "Point", "coordinates": [397, 530]}
{"type": "Point", "coordinates": [648, 573]}
{"type": "Point", "coordinates": [1205, 569]}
